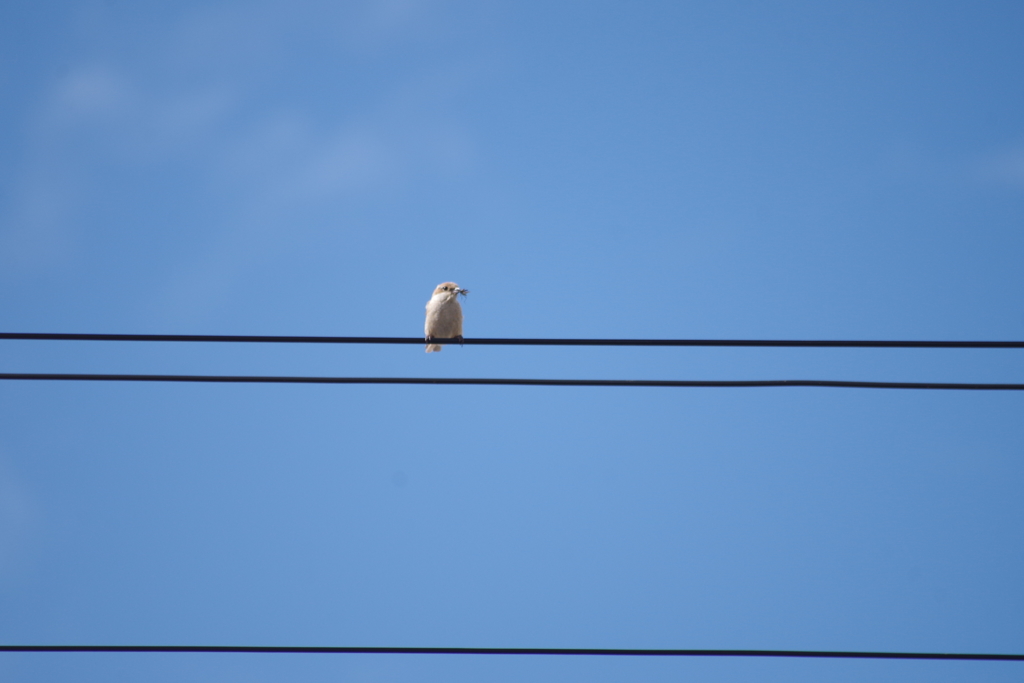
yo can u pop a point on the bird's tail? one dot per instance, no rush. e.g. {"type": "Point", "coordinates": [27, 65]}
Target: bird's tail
{"type": "Point", "coordinates": [431, 348]}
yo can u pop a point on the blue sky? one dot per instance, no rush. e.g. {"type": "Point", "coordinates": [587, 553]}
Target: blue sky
{"type": "Point", "coordinates": [689, 169]}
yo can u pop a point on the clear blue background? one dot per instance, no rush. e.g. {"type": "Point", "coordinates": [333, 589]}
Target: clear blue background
{"type": "Point", "coordinates": [586, 169]}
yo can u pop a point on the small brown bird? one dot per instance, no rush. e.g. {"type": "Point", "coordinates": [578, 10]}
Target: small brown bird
{"type": "Point", "coordinates": [444, 315]}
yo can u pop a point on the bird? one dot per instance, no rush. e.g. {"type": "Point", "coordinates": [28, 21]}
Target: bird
{"type": "Point", "coordinates": [444, 315]}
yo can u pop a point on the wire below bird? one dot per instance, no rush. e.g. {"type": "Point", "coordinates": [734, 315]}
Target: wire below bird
{"type": "Point", "coordinates": [251, 649]}
{"type": "Point", "coordinates": [251, 379]}
{"type": "Point", "coordinates": [277, 339]}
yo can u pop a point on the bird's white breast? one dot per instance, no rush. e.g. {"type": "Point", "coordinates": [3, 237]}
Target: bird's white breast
{"type": "Point", "coordinates": [444, 317]}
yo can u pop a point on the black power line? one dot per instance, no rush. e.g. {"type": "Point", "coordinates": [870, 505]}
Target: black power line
{"type": "Point", "coordinates": [243, 649]}
{"type": "Point", "coordinates": [250, 379]}
{"type": "Point", "coordinates": [46, 336]}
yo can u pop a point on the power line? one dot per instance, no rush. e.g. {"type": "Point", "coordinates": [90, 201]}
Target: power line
{"type": "Point", "coordinates": [244, 649]}
{"type": "Point", "coordinates": [514, 342]}
{"type": "Point", "coordinates": [250, 379]}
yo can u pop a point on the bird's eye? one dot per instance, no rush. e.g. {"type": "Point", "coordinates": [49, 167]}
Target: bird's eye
{"type": "Point", "coordinates": [445, 288]}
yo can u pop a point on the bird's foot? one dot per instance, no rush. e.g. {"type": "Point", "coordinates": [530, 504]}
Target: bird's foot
{"type": "Point", "coordinates": [460, 340]}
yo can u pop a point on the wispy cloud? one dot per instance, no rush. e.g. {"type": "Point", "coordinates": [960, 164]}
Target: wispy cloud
{"type": "Point", "coordinates": [89, 90]}
{"type": "Point", "coordinates": [211, 95]}
{"type": "Point", "coordinates": [18, 517]}
{"type": "Point", "coordinates": [1005, 167]}
{"type": "Point", "coordinates": [1002, 167]}
{"type": "Point", "coordinates": [93, 116]}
